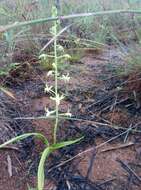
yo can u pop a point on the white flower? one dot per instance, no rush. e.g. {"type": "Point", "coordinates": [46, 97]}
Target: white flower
{"type": "Point", "coordinates": [50, 73]}
{"type": "Point", "coordinates": [48, 88]}
{"type": "Point", "coordinates": [48, 113]}
{"type": "Point", "coordinates": [68, 114]}
{"type": "Point", "coordinates": [54, 65]}
{"type": "Point", "coordinates": [66, 78]}
{"type": "Point", "coordinates": [67, 56]}
{"type": "Point", "coordinates": [57, 99]}
{"type": "Point", "coordinates": [43, 56]}
{"type": "Point", "coordinates": [60, 48]}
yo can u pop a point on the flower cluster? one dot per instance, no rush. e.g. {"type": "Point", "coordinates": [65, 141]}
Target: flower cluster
{"type": "Point", "coordinates": [52, 90]}
{"type": "Point", "coordinates": [56, 97]}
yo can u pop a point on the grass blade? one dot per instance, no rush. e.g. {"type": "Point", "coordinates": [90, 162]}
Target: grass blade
{"type": "Point", "coordinates": [24, 136]}
{"type": "Point", "coordinates": [52, 40]}
{"type": "Point", "coordinates": [5, 28]}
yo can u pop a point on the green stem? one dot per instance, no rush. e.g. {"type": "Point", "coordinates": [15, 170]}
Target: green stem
{"type": "Point", "coordinates": [4, 28]}
{"type": "Point", "coordinates": [56, 83]}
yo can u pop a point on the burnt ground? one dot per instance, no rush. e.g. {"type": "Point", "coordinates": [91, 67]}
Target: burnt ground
{"type": "Point", "coordinates": [106, 108]}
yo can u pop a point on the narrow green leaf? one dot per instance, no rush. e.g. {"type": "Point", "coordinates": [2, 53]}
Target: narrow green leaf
{"type": "Point", "coordinates": [24, 136]}
{"type": "Point", "coordinates": [41, 175]}
{"type": "Point", "coordinates": [45, 154]}
{"type": "Point", "coordinates": [65, 143]}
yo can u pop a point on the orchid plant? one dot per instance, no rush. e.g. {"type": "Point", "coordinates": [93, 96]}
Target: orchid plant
{"type": "Point", "coordinates": [59, 56]}
{"type": "Point", "coordinates": [57, 97]}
